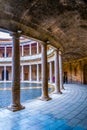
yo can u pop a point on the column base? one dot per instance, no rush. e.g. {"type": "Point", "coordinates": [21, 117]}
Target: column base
{"type": "Point", "coordinates": [14, 108]}
{"type": "Point", "coordinates": [63, 88]}
{"type": "Point", "coordinates": [57, 92]}
{"type": "Point", "coordinates": [45, 98]}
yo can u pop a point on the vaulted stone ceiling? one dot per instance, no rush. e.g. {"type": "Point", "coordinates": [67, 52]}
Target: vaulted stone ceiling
{"type": "Point", "coordinates": [61, 22]}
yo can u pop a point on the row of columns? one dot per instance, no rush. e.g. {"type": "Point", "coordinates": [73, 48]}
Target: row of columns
{"type": "Point", "coordinates": [22, 73]}
{"type": "Point", "coordinates": [16, 74]}
{"type": "Point", "coordinates": [30, 72]}
{"type": "Point", "coordinates": [30, 52]}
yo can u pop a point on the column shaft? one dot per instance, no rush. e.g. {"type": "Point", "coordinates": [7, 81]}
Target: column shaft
{"type": "Point", "coordinates": [37, 72]}
{"type": "Point", "coordinates": [22, 50]}
{"type": "Point", "coordinates": [22, 72]}
{"type": "Point", "coordinates": [16, 74]}
{"type": "Point", "coordinates": [57, 80]}
{"type": "Point", "coordinates": [45, 95]}
{"type": "Point", "coordinates": [30, 71]}
{"type": "Point", "coordinates": [60, 70]}
{"type": "Point", "coordinates": [4, 73]}
{"type": "Point", "coordinates": [51, 72]}
{"type": "Point", "coordinates": [30, 50]}
{"type": "Point", "coordinates": [5, 53]}
{"type": "Point", "coordinates": [37, 48]}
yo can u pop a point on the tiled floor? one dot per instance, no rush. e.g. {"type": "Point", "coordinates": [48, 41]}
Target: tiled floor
{"type": "Point", "coordinates": [64, 112]}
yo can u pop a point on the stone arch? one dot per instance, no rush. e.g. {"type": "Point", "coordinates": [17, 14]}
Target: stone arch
{"type": "Point", "coordinates": [33, 31]}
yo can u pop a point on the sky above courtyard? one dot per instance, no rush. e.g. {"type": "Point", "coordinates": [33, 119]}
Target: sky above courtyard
{"type": "Point", "coordinates": [4, 35]}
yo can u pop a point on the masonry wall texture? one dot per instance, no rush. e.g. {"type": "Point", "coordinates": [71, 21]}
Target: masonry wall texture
{"type": "Point", "coordinates": [75, 71]}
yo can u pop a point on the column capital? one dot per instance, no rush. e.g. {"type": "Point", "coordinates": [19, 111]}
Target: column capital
{"type": "Point", "coordinates": [16, 34]}
{"type": "Point", "coordinates": [56, 49]}
{"type": "Point", "coordinates": [60, 51]}
{"type": "Point", "coordinates": [56, 52]}
{"type": "Point", "coordinates": [43, 44]}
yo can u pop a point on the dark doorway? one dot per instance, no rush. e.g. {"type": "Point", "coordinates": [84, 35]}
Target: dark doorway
{"type": "Point", "coordinates": [85, 74]}
{"type": "Point", "coordinates": [7, 75]}
{"type": "Point", "coordinates": [65, 79]}
{"type": "Point", "coordinates": [3, 75]}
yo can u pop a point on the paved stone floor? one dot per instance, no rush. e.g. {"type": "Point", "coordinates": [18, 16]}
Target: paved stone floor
{"type": "Point", "coordinates": [64, 112]}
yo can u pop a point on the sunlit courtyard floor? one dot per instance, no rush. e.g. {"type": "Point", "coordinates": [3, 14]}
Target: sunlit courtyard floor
{"type": "Point", "coordinates": [64, 112]}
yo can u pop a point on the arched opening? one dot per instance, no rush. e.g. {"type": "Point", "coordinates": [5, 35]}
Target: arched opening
{"type": "Point", "coordinates": [65, 78]}
{"type": "Point", "coordinates": [3, 75]}
{"type": "Point", "coordinates": [7, 75]}
{"type": "Point", "coordinates": [85, 74]}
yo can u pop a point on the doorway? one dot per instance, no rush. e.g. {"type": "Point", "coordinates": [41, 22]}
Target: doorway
{"type": "Point", "coordinates": [65, 78]}
{"type": "Point", "coordinates": [7, 75]}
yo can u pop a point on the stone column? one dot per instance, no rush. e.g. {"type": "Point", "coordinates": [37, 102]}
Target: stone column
{"type": "Point", "coordinates": [30, 49]}
{"type": "Point", "coordinates": [15, 74]}
{"type": "Point", "coordinates": [5, 53]}
{"type": "Point", "coordinates": [37, 48]}
{"type": "Point", "coordinates": [37, 72]}
{"type": "Point", "coordinates": [30, 71]}
{"type": "Point", "coordinates": [4, 73]}
{"type": "Point", "coordinates": [57, 80]}
{"type": "Point", "coordinates": [22, 72]}
{"type": "Point", "coordinates": [51, 72]}
{"type": "Point", "coordinates": [60, 70]}
{"type": "Point", "coordinates": [22, 50]}
{"type": "Point", "coordinates": [44, 96]}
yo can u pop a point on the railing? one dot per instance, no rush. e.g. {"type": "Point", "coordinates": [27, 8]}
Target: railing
{"type": "Point", "coordinates": [26, 58]}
